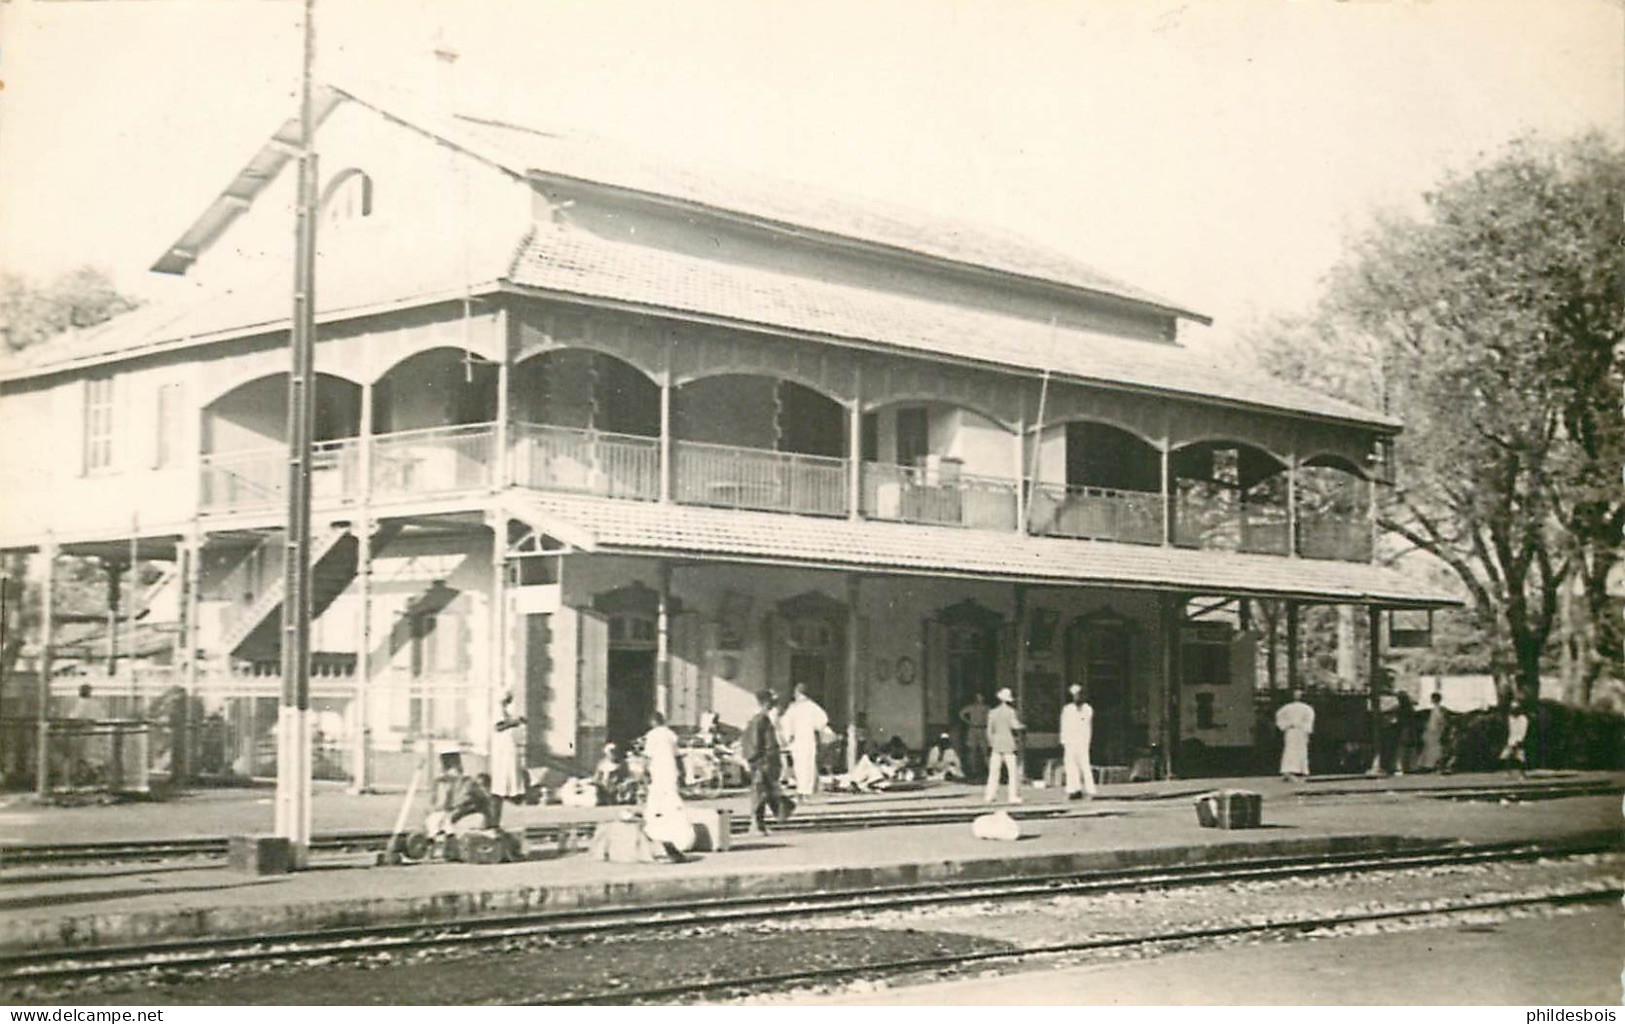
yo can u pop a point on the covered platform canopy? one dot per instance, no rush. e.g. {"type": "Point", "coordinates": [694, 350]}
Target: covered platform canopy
{"type": "Point", "coordinates": [608, 526]}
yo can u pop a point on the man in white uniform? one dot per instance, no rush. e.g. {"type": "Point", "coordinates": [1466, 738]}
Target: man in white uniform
{"type": "Point", "coordinates": [1077, 732]}
{"type": "Point", "coordinates": [802, 723]}
{"type": "Point", "coordinates": [1296, 720]}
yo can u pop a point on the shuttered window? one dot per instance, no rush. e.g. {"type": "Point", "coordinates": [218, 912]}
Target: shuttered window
{"type": "Point", "coordinates": [98, 455]}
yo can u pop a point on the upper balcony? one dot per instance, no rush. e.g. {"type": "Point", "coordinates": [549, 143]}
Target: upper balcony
{"type": "Point", "coordinates": [588, 423]}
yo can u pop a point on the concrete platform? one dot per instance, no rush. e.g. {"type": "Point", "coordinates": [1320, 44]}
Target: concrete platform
{"type": "Point", "coordinates": [54, 907]}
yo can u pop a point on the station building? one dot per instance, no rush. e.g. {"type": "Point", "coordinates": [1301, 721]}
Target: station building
{"type": "Point", "coordinates": [618, 435]}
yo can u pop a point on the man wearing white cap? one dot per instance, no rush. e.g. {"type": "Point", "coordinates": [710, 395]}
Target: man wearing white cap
{"type": "Point", "coordinates": [1077, 732]}
{"type": "Point", "coordinates": [1002, 727]}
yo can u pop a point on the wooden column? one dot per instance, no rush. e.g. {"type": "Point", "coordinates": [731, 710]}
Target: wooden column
{"type": "Point", "coordinates": [854, 664]}
{"type": "Point", "coordinates": [1173, 622]}
{"type": "Point", "coordinates": [500, 471]}
{"type": "Point", "coordinates": [184, 748]}
{"type": "Point", "coordinates": [1292, 645]}
{"type": "Point", "coordinates": [1168, 519]}
{"type": "Point", "coordinates": [361, 735]}
{"type": "Point", "coordinates": [42, 767]}
{"type": "Point", "coordinates": [854, 459]}
{"type": "Point", "coordinates": [665, 429]}
{"type": "Point", "coordinates": [364, 457]}
{"type": "Point", "coordinates": [1292, 505]}
{"type": "Point", "coordinates": [1374, 681]}
{"type": "Point", "coordinates": [497, 672]}
{"type": "Point", "coordinates": [1020, 475]}
{"type": "Point", "coordinates": [1020, 641]}
{"type": "Point", "coordinates": [663, 639]}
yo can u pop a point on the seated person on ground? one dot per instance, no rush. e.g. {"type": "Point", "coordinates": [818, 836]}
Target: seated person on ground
{"type": "Point", "coordinates": [459, 803]}
{"type": "Point", "coordinates": [943, 761]}
{"type": "Point", "coordinates": [609, 774]}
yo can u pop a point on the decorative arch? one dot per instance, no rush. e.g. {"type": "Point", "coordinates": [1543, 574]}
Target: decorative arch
{"type": "Point", "coordinates": [980, 408]}
{"type": "Point", "coordinates": [787, 374]}
{"type": "Point", "coordinates": [1229, 495]}
{"type": "Point", "coordinates": [1228, 441]}
{"type": "Point", "coordinates": [1101, 454]}
{"type": "Point", "coordinates": [900, 432]}
{"type": "Point", "coordinates": [761, 412]}
{"type": "Point", "coordinates": [1333, 460]}
{"type": "Point", "coordinates": [435, 387]}
{"type": "Point", "coordinates": [586, 388]}
{"type": "Point", "coordinates": [253, 414]}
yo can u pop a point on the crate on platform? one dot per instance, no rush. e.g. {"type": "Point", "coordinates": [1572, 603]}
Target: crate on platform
{"type": "Point", "coordinates": [1230, 808]}
{"type": "Point", "coordinates": [713, 828]}
{"type": "Point", "coordinates": [260, 855]}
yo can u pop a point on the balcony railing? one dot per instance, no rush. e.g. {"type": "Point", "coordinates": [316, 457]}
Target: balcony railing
{"type": "Point", "coordinates": [1346, 538]}
{"type": "Point", "coordinates": [586, 461]}
{"type": "Point", "coordinates": [257, 480]}
{"type": "Point", "coordinates": [1098, 513]}
{"type": "Point", "coordinates": [1214, 518]}
{"type": "Point", "coordinates": [726, 477]}
{"type": "Point", "coordinates": [435, 460]}
{"type": "Point", "coordinates": [912, 494]}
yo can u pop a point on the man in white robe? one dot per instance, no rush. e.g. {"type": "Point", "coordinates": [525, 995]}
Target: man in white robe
{"type": "Point", "coordinates": [1296, 720]}
{"type": "Point", "coordinates": [660, 752]}
{"type": "Point", "coordinates": [802, 723]}
{"type": "Point", "coordinates": [1077, 733]}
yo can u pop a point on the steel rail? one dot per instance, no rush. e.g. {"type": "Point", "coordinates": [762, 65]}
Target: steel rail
{"type": "Point", "coordinates": [53, 964]}
{"type": "Point", "coordinates": [744, 985]}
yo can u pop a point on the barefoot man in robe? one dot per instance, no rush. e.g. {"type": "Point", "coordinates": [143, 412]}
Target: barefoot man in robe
{"type": "Point", "coordinates": [1296, 720]}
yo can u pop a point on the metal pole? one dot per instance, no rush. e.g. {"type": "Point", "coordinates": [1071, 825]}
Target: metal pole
{"type": "Point", "coordinates": [293, 732]}
{"type": "Point", "coordinates": [42, 769]}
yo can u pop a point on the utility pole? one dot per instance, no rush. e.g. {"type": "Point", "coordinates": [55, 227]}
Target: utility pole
{"type": "Point", "coordinates": [293, 766]}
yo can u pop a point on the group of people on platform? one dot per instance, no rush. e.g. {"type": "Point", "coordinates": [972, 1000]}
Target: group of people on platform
{"type": "Point", "coordinates": [1405, 739]}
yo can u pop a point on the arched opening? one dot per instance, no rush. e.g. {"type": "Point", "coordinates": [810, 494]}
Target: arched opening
{"type": "Point", "coordinates": [1334, 510]}
{"type": "Point", "coordinates": [587, 422]}
{"type": "Point", "coordinates": [1113, 485]}
{"type": "Point", "coordinates": [433, 417]}
{"type": "Point", "coordinates": [1229, 496]}
{"type": "Point", "coordinates": [244, 441]}
{"type": "Point", "coordinates": [934, 462]}
{"type": "Point", "coordinates": [747, 441]}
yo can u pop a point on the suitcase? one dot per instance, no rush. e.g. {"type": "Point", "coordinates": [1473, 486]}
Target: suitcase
{"type": "Point", "coordinates": [1230, 808]}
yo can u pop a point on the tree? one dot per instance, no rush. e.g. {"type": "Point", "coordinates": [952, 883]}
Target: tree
{"type": "Point", "coordinates": [31, 313]}
{"type": "Point", "coordinates": [1493, 325]}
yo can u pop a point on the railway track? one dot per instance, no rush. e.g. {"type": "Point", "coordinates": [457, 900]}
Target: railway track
{"type": "Point", "coordinates": [21, 967]}
{"type": "Point", "coordinates": [572, 831]}
{"type": "Point", "coordinates": [746, 985]}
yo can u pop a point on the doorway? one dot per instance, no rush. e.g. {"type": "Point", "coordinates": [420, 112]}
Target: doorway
{"type": "Point", "coordinates": [1099, 657]}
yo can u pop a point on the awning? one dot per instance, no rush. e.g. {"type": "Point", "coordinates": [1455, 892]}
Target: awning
{"type": "Point", "coordinates": [612, 526]}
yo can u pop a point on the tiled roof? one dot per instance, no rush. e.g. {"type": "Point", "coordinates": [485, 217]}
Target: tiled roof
{"type": "Point", "coordinates": [354, 277]}
{"type": "Point", "coordinates": [645, 528]}
{"type": "Point", "coordinates": [794, 205]}
{"type": "Point", "coordinates": [565, 259]}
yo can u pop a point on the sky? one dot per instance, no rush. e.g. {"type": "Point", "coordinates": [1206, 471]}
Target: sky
{"type": "Point", "coordinates": [1218, 153]}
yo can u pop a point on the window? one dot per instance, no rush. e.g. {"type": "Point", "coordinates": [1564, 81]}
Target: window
{"type": "Point", "coordinates": [167, 440]}
{"type": "Point", "coordinates": [1205, 655]}
{"type": "Point", "coordinates": [98, 453]}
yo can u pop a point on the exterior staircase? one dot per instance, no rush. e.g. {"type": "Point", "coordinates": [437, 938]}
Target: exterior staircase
{"type": "Point", "coordinates": [253, 631]}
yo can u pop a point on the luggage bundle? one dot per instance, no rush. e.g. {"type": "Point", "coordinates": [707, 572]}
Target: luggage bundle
{"type": "Point", "coordinates": [1230, 808]}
